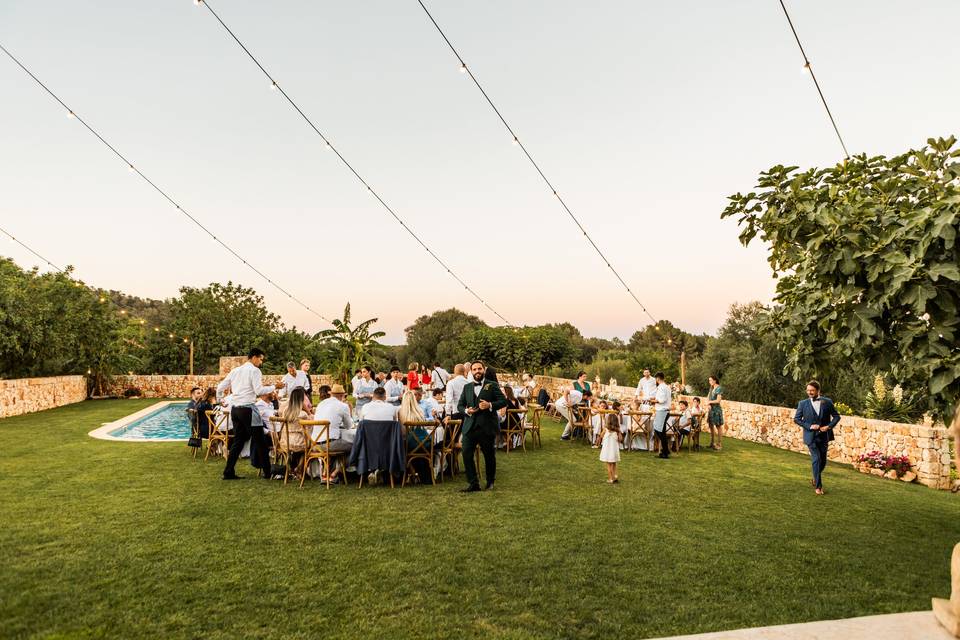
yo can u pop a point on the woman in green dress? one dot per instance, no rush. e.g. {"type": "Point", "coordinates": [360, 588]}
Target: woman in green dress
{"type": "Point", "coordinates": [581, 384]}
{"type": "Point", "coordinates": [715, 413]}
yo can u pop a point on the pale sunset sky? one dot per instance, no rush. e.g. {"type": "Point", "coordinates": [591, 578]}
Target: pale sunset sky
{"type": "Point", "coordinates": [646, 115]}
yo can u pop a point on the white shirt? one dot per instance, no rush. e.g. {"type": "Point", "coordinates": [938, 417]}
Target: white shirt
{"type": "Point", "coordinates": [265, 409]}
{"type": "Point", "coordinates": [575, 397]}
{"type": "Point", "coordinates": [337, 412]}
{"type": "Point", "coordinates": [440, 377]}
{"type": "Point", "coordinates": [394, 389]}
{"type": "Point", "coordinates": [364, 387]}
{"type": "Point", "coordinates": [246, 384]}
{"type": "Point", "coordinates": [685, 419]}
{"type": "Point", "coordinates": [291, 382]}
{"type": "Point", "coordinates": [433, 405]}
{"type": "Point", "coordinates": [816, 405]}
{"type": "Point", "coordinates": [647, 387]}
{"type": "Point", "coordinates": [663, 396]}
{"type": "Point", "coordinates": [378, 410]}
{"type": "Point", "coordinates": [454, 391]}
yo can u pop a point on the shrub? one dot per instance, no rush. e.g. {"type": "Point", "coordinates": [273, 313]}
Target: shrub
{"type": "Point", "coordinates": [132, 392]}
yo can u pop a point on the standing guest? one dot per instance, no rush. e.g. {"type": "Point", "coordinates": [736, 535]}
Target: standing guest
{"type": "Point", "coordinates": [413, 377]}
{"type": "Point", "coordinates": [715, 413]}
{"type": "Point", "coordinates": [426, 380]}
{"type": "Point", "coordinates": [246, 384]}
{"type": "Point", "coordinates": [378, 408]}
{"type": "Point", "coordinates": [363, 388]}
{"type": "Point", "coordinates": [440, 376]}
{"type": "Point", "coordinates": [663, 397]}
{"type": "Point", "coordinates": [480, 401]}
{"type": "Point", "coordinates": [817, 416]}
{"type": "Point", "coordinates": [293, 379]}
{"type": "Point", "coordinates": [647, 387]}
{"type": "Point", "coordinates": [380, 378]}
{"type": "Point", "coordinates": [454, 391]}
{"type": "Point", "coordinates": [581, 384]}
{"type": "Point", "coordinates": [394, 387]}
{"type": "Point", "coordinates": [610, 450]}
{"type": "Point", "coordinates": [308, 387]}
{"type": "Point", "coordinates": [208, 402]}
{"type": "Point", "coordinates": [337, 412]}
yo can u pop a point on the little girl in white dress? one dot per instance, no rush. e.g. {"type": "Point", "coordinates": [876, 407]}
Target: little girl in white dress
{"type": "Point", "coordinates": [610, 448]}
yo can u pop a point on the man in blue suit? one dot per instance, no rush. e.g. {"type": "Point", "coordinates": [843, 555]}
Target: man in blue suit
{"type": "Point", "coordinates": [817, 417]}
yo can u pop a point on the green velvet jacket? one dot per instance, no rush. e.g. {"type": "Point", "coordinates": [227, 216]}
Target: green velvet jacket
{"type": "Point", "coordinates": [481, 422]}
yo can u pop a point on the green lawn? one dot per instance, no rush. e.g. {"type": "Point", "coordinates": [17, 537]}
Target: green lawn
{"type": "Point", "coordinates": [109, 539]}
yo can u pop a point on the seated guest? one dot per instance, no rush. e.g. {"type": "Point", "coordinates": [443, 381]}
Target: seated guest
{"type": "Point", "coordinates": [564, 405]}
{"type": "Point", "coordinates": [378, 408]}
{"type": "Point", "coordinates": [597, 422]}
{"type": "Point", "coordinates": [410, 410]}
{"type": "Point", "coordinates": [333, 409]}
{"type": "Point", "coordinates": [195, 395]}
{"type": "Point", "coordinates": [427, 404]}
{"type": "Point", "coordinates": [436, 401]}
{"type": "Point", "coordinates": [686, 419]}
{"type": "Point", "coordinates": [265, 408]}
{"type": "Point", "coordinates": [207, 403]}
{"type": "Point", "coordinates": [292, 440]}
{"type": "Point", "coordinates": [394, 387]}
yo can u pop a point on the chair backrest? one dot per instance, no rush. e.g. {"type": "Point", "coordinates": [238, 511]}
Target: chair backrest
{"type": "Point", "coordinates": [218, 422]}
{"type": "Point", "coordinates": [638, 419]}
{"type": "Point", "coordinates": [421, 433]}
{"type": "Point", "coordinates": [514, 418]}
{"type": "Point", "coordinates": [194, 423]}
{"type": "Point", "coordinates": [453, 431]}
{"type": "Point", "coordinates": [581, 414]}
{"type": "Point", "coordinates": [321, 443]}
{"type": "Point", "coordinates": [537, 415]}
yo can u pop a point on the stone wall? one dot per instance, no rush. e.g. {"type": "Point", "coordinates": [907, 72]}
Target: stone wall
{"type": "Point", "coordinates": [178, 386]}
{"type": "Point", "coordinates": [26, 395]}
{"type": "Point", "coordinates": [928, 447]}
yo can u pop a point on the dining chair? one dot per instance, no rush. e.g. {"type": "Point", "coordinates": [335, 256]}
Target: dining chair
{"type": "Point", "coordinates": [195, 431]}
{"type": "Point", "coordinates": [420, 444]}
{"type": "Point", "coordinates": [513, 426]}
{"type": "Point", "coordinates": [532, 426]}
{"type": "Point", "coordinates": [219, 434]}
{"type": "Point", "coordinates": [450, 449]}
{"type": "Point", "coordinates": [318, 448]}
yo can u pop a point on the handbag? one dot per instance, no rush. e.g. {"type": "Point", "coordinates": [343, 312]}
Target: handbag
{"type": "Point", "coordinates": [196, 443]}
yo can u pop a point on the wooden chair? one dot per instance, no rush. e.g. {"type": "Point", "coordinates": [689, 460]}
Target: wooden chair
{"type": "Point", "coordinates": [283, 449]}
{"type": "Point", "coordinates": [218, 434]}
{"type": "Point", "coordinates": [532, 426]}
{"type": "Point", "coordinates": [318, 448]}
{"type": "Point", "coordinates": [450, 449]}
{"type": "Point", "coordinates": [640, 424]}
{"type": "Point", "coordinates": [580, 419]}
{"type": "Point", "coordinates": [693, 440]}
{"type": "Point", "coordinates": [195, 430]}
{"type": "Point", "coordinates": [513, 425]}
{"type": "Point", "coordinates": [422, 434]}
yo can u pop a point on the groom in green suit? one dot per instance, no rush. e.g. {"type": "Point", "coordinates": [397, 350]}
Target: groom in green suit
{"type": "Point", "coordinates": [479, 403]}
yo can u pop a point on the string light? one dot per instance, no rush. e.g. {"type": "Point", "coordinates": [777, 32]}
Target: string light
{"type": "Point", "coordinates": [533, 162]}
{"type": "Point", "coordinates": [70, 114]}
{"type": "Point", "coordinates": [273, 86]}
{"type": "Point", "coordinates": [463, 67]}
{"type": "Point", "coordinates": [353, 170]}
{"type": "Point", "coordinates": [157, 188]}
{"type": "Point", "coordinates": [809, 69]}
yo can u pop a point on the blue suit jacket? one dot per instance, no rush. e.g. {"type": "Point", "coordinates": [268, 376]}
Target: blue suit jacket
{"type": "Point", "coordinates": [806, 417]}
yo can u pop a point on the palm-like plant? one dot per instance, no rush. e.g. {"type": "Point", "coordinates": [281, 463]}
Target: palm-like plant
{"type": "Point", "coordinates": [344, 349]}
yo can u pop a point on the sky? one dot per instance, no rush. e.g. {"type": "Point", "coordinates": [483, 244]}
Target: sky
{"type": "Point", "coordinates": [645, 115]}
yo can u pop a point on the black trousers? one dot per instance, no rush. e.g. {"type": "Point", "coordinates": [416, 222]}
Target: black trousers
{"type": "Point", "coordinates": [240, 418]}
{"type": "Point", "coordinates": [486, 443]}
{"type": "Point", "coordinates": [664, 442]}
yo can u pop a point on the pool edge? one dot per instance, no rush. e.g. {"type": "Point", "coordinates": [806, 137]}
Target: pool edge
{"type": "Point", "coordinates": [103, 432]}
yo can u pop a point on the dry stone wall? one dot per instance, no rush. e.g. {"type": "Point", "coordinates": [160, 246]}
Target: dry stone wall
{"type": "Point", "coordinates": [178, 386]}
{"type": "Point", "coordinates": [928, 447]}
{"type": "Point", "coordinates": [26, 395]}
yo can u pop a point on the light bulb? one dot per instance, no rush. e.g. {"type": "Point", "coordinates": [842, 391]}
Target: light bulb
{"type": "Point", "coordinates": [273, 86]}
{"type": "Point", "coordinates": [89, 372]}
{"type": "Point", "coordinates": [70, 114]}
{"type": "Point", "coordinates": [123, 312]}
{"type": "Point", "coordinates": [131, 169]}
{"type": "Point", "coordinates": [463, 68]}
{"type": "Point", "coordinates": [806, 67]}
{"type": "Point", "coordinates": [171, 335]}
{"type": "Point", "coordinates": [102, 299]}
{"type": "Point", "coordinates": [515, 141]}
{"type": "Point", "coordinates": [186, 340]}
{"type": "Point", "coordinates": [157, 329]}
{"type": "Point", "coordinates": [143, 322]}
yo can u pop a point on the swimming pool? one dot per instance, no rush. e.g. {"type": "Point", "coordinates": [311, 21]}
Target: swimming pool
{"type": "Point", "coordinates": [162, 422]}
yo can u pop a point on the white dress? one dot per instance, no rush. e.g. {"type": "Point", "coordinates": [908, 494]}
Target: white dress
{"type": "Point", "coordinates": [610, 449]}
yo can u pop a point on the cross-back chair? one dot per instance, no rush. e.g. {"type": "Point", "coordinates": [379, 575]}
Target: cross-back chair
{"type": "Point", "coordinates": [318, 448]}
{"type": "Point", "coordinates": [195, 431]}
{"type": "Point", "coordinates": [450, 450]}
{"type": "Point", "coordinates": [532, 426]}
{"type": "Point", "coordinates": [219, 433]}
{"type": "Point", "coordinates": [420, 445]}
{"type": "Point", "coordinates": [513, 426]}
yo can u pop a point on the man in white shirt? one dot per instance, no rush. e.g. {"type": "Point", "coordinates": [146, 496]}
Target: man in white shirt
{"type": "Point", "coordinates": [564, 405]}
{"type": "Point", "coordinates": [337, 412]}
{"type": "Point", "coordinates": [454, 391]}
{"type": "Point", "coordinates": [440, 377]}
{"type": "Point", "coordinates": [394, 387]}
{"type": "Point", "coordinates": [378, 408]}
{"type": "Point", "coordinates": [246, 385]}
{"type": "Point", "coordinates": [294, 378]}
{"type": "Point", "coordinates": [647, 387]}
{"type": "Point", "coordinates": [663, 397]}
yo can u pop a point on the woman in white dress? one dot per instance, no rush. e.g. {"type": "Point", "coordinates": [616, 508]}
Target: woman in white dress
{"type": "Point", "coordinates": [610, 449]}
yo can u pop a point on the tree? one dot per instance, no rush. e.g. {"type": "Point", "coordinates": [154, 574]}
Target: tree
{"type": "Point", "coordinates": [344, 349]}
{"type": "Point", "coordinates": [437, 337]}
{"type": "Point", "coordinates": [867, 262]}
{"type": "Point", "coordinates": [519, 349]}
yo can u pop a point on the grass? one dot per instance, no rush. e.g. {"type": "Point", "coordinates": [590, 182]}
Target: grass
{"type": "Point", "coordinates": [108, 539]}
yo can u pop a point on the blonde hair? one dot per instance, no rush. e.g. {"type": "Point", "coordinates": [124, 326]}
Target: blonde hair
{"type": "Point", "coordinates": [304, 361]}
{"type": "Point", "coordinates": [413, 366]}
{"type": "Point", "coordinates": [410, 410]}
{"type": "Point", "coordinates": [294, 406]}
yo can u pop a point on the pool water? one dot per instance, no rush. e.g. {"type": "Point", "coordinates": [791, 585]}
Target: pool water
{"type": "Point", "coordinates": [169, 422]}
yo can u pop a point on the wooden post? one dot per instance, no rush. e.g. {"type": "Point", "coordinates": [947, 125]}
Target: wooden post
{"type": "Point", "coordinates": [191, 356]}
{"type": "Point", "coordinates": [683, 369]}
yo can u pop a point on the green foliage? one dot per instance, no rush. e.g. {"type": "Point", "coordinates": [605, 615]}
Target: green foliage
{"type": "Point", "coordinates": [437, 337]}
{"type": "Point", "coordinates": [345, 348]}
{"type": "Point", "coordinates": [868, 266]}
{"type": "Point", "coordinates": [530, 349]}
{"type": "Point", "coordinates": [884, 403]}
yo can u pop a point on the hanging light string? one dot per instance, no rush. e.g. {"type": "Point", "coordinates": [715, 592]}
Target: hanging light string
{"type": "Point", "coordinates": [516, 141]}
{"type": "Point", "coordinates": [133, 169]}
{"type": "Point", "coordinates": [126, 310]}
{"type": "Point", "coordinates": [276, 87]}
{"type": "Point", "coordinates": [809, 68]}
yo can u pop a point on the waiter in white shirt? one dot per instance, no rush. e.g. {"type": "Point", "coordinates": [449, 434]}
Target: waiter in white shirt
{"type": "Point", "coordinates": [565, 405]}
{"type": "Point", "coordinates": [292, 379]}
{"type": "Point", "coordinates": [663, 397]}
{"type": "Point", "coordinates": [246, 385]}
{"type": "Point", "coordinates": [647, 387]}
